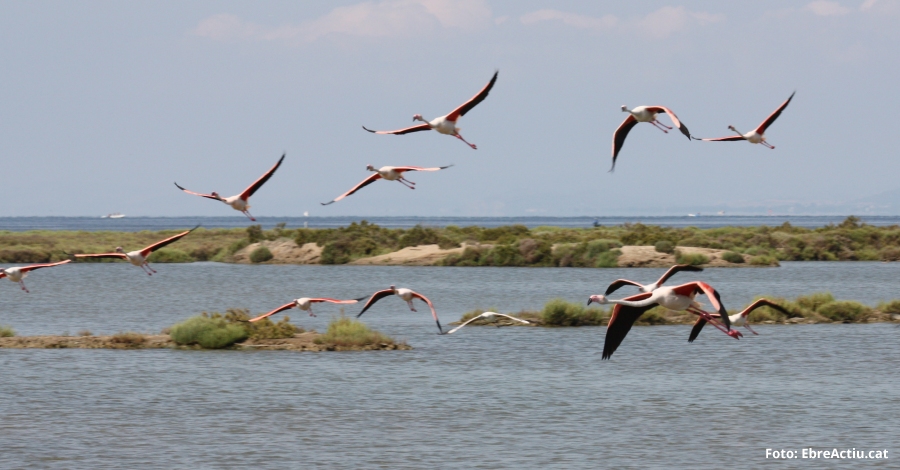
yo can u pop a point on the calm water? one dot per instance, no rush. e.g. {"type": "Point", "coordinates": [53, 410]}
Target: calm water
{"type": "Point", "coordinates": [135, 224]}
{"type": "Point", "coordinates": [482, 398]}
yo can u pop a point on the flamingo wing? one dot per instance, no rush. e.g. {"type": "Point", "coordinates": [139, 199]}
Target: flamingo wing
{"type": "Point", "coordinates": [401, 169]}
{"type": "Point", "coordinates": [210, 196]}
{"type": "Point", "coordinates": [513, 318]}
{"type": "Point", "coordinates": [273, 312]}
{"type": "Point", "coordinates": [620, 323]}
{"type": "Point", "coordinates": [102, 255]}
{"type": "Point", "coordinates": [680, 125]}
{"type": "Point", "coordinates": [262, 180]}
{"type": "Point", "coordinates": [25, 269]}
{"type": "Point", "coordinates": [2, 274]}
{"type": "Point", "coordinates": [619, 137]}
{"type": "Point", "coordinates": [371, 179]}
{"type": "Point", "coordinates": [715, 300]}
{"type": "Point", "coordinates": [476, 317]}
{"type": "Point", "coordinates": [764, 303]}
{"type": "Point", "coordinates": [730, 138]}
{"type": "Point", "coordinates": [675, 270]}
{"type": "Point", "coordinates": [772, 117]}
{"type": "Point", "coordinates": [174, 238]}
{"type": "Point", "coordinates": [618, 284]}
{"type": "Point", "coordinates": [695, 331]}
{"type": "Point", "coordinates": [431, 306]}
{"type": "Point", "coordinates": [408, 130]}
{"type": "Point", "coordinates": [334, 301]}
{"type": "Point", "coordinates": [375, 298]}
{"type": "Point", "coordinates": [468, 105]}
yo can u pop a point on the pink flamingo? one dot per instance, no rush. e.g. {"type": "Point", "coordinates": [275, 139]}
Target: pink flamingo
{"type": "Point", "coordinates": [678, 298]}
{"type": "Point", "coordinates": [643, 114]}
{"type": "Point", "coordinates": [389, 173]}
{"type": "Point", "coordinates": [738, 319]}
{"type": "Point", "coordinates": [446, 124]}
{"type": "Point", "coordinates": [615, 285]}
{"type": "Point", "coordinates": [17, 274]}
{"type": "Point", "coordinates": [756, 136]}
{"type": "Point", "coordinates": [139, 258]}
{"type": "Point", "coordinates": [240, 201]}
{"type": "Point", "coordinates": [305, 304]}
{"type": "Point", "coordinates": [405, 294]}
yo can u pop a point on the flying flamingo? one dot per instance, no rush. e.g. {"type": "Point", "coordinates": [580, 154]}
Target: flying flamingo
{"type": "Point", "coordinates": [756, 136]}
{"type": "Point", "coordinates": [738, 319]}
{"type": "Point", "coordinates": [21, 272]}
{"type": "Point", "coordinates": [390, 173]}
{"type": "Point", "coordinates": [678, 298]}
{"type": "Point", "coordinates": [643, 114]}
{"type": "Point", "coordinates": [305, 304]}
{"type": "Point", "coordinates": [405, 294]}
{"type": "Point", "coordinates": [240, 201]}
{"type": "Point", "coordinates": [446, 124]}
{"type": "Point", "coordinates": [139, 258]}
{"type": "Point", "coordinates": [489, 316]}
{"type": "Point", "coordinates": [615, 285]}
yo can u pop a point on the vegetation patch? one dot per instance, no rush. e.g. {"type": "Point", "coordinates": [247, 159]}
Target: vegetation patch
{"type": "Point", "coordinates": [733, 257]}
{"type": "Point", "coordinates": [348, 332]}
{"type": "Point", "coordinates": [128, 339]}
{"type": "Point", "coordinates": [260, 255]}
{"type": "Point", "coordinates": [691, 258]}
{"type": "Point", "coordinates": [207, 332]}
{"type": "Point", "coordinates": [261, 329]}
{"type": "Point", "coordinates": [665, 246]}
{"type": "Point", "coordinates": [559, 312]}
{"type": "Point", "coordinates": [7, 331]}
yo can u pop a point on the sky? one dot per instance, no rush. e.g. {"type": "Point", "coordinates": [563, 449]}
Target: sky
{"type": "Point", "coordinates": [105, 104]}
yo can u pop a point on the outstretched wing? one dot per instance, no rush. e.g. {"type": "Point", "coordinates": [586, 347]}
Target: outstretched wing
{"type": "Point", "coordinates": [401, 169]}
{"type": "Point", "coordinates": [617, 284]}
{"type": "Point", "coordinates": [431, 306]}
{"type": "Point", "coordinates": [210, 196]}
{"type": "Point", "coordinates": [772, 117]}
{"type": "Point", "coordinates": [262, 180]}
{"type": "Point", "coordinates": [619, 137]}
{"type": "Point", "coordinates": [334, 301]}
{"type": "Point", "coordinates": [730, 138]}
{"type": "Point", "coordinates": [146, 251]}
{"type": "Point", "coordinates": [763, 303]}
{"type": "Point", "coordinates": [468, 105]}
{"type": "Point", "coordinates": [715, 300]}
{"type": "Point", "coordinates": [25, 269]}
{"type": "Point", "coordinates": [620, 323]}
{"type": "Point", "coordinates": [273, 312]}
{"type": "Point", "coordinates": [484, 314]}
{"type": "Point", "coordinates": [371, 179]}
{"type": "Point", "coordinates": [695, 331]}
{"type": "Point", "coordinates": [375, 298]}
{"type": "Point", "coordinates": [680, 125]}
{"type": "Point", "coordinates": [675, 270]}
{"type": "Point", "coordinates": [408, 130]}
{"type": "Point", "coordinates": [102, 255]}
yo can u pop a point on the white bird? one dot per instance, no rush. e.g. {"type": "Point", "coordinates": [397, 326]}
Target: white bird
{"type": "Point", "coordinates": [446, 124]}
{"type": "Point", "coordinates": [389, 173]}
{"type": "Point", "coordinates": [305, 304]}
{"type": "Point", "coordinates": [138, 258]}
{"type": "Point", "coordinates": [738, 319]}
{"type": "Point", "coordinates": [615, 285]}
{"type": "Point", "coordinates": [643, 114]}
{"type": "Point", "coordinates": [489, 316]}
{"type": "Point", "coordinates": [240, 202]}
{"type": "Point", "coordinates": [756, 136]}
{"type": "Point", "coordinates": [17, 274]}
{"type": "Point", "coordinates": [407, 295]}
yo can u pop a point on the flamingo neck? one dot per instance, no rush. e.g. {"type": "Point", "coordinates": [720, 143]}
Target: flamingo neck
{"type": "Point", "coordinates": [634, 303]}
{"type": "Point", "coordinates": [736, 131]}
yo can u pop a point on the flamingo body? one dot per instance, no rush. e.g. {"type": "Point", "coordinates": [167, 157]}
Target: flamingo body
{"type": "Point", "coordinates": [406, 295]}
{"type": "Point", "coordinates": [738, 319]}
{"type": "Point", "coordinates": [756, 136]}
{"type": "Point", "coordinates": [140, 257]}
{"type": "Point", "coordinates": [389, 173]}
{"type": "Point", "coordinates": [19, 273]}
{"type": "Point", "coordinates": [305, 304]}
{"type": "Point", "coordinates": [643, 114]}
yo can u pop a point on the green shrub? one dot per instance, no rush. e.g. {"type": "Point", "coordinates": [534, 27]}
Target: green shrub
{"type": "Point", "coordinates": [733, 257]}
{"type": "Point", "coordinates": [25, 255]}
{"type": "Point", "coordinates": [260, 255]}
{"type": "Point", "coordinates": [128, 339]}
{"type": "Point", "coordinates": [890, 253]}
{"type": "Point", "coordinates": [209, 333]}
{"type": "Point", "coordinates": [845, 311]}
{"type": "Point", "coordinates": [763, 261]}
{"type": "Point", "coordinates": [889, 307]}
{"type": "Point", "coordinates": [6, 331]}
{"type": "Point", "coordinates": [345, 331]}
{"type": "Point", "coordinates": [170, 255]}
{"type": "Point", "coordinates": [238, 246]}
{"type": "Point", "coordinates": [559, 312]}
{"type": "Point", "coordinates": [691, 258]}
{"type": "Point", "coordinates": [254, 234]}
{"type": "Point", "coordinates": [815, 301]}
{"type": "Point", "coordinates": [665, 246]}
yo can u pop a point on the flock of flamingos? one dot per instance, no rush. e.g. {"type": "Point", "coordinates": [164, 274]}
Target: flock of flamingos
{"type": "Point", "coordinates": [625, 311]}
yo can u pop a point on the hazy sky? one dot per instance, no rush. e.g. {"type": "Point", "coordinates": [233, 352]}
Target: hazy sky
{"type": "Point", "coordinates": [106, 104]}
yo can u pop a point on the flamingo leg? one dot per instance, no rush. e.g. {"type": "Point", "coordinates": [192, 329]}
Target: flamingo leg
{"type": "Point", "coordinates": [249, 216]}
{"type": "Point", "coordinates": [311, 312]}
{"type": "Point", "coordinates": [657, 125]}
{"type": "Point", "coordinates": [464, 140]}
{"type": "Point", "coordinates": [148, 267]}
{"type": "Point", "coordinates": [408, 181]}
{"type": "Point", "coordinates": [661, 124]}
{"type": "Point", "coordinates": [715, 322]}
{"type": "Point", "coordinates": [768, 144]}
{"type": "Point", "coordinates": [404, 184]}
{"type": "Point", "coordinates": [22, 284]}
{"type": "Point", "coordinates": [751, 329]}
{"type": "Point", "coordinates": [409, 302]}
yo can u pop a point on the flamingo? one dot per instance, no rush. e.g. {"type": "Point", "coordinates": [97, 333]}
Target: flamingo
{"type": "Point", "coordinates": [756, 136]}
{"type": "Point", "coordinates": [305, 304]}
{"type": "Point", "coordinates": [489, 316]}
{"type": "Point", "coordinates": [446, 124]}
{"type": "Point", "coordinates": [678, 298]}
{"type": "Point", "coordinates": [643, 114]}
{"type": "Point", "coordinates": [17, 274]}
{"type": "Point", "coordinates": [139, 257]}
{"type": "Point", "coordinates": [240, 202]}
{"type": "Point", "coordinates": [615, 285]}
{"type": "Point", "coordinates": [738, 319]}
{"type": "Point", "coordinates": [390, 173]}
{"type": "Point", "coordinates": [406, 294]}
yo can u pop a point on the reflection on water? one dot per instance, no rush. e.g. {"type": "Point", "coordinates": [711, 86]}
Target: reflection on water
{"type": "Point", "coordinates": [483, 398]}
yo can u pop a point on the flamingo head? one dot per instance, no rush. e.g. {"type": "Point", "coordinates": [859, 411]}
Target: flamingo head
{"type": "Point", "coordinates": [600, 299]}
{"type": "Point", "coordinates": [418, 117]}
{"type": "Point", "coordinates": [119, 249]}
{"type": "Point", "coordinates": [624, 108]}
{"type": "Point", "coordinates": [393, 288]}
{"type": "Point", "coordinates": [371, 168]}
{"type": "Point", "coordinates": [215, 195]}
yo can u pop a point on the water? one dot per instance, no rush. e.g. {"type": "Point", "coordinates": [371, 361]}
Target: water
{"type": "Point", "coordinates": [135, 224]}
{"type": "Point", "coordinates": [482, 398]}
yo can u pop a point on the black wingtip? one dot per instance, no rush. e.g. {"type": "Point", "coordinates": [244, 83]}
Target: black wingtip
{"type": "Point", "coordinates": [325, 203]}
{"type": "Point", "coordinates": [441, 330]}
{"type": "Point", "coordinates": [179, 187]}
{"type": "Point", "coordinates": [370, 130]}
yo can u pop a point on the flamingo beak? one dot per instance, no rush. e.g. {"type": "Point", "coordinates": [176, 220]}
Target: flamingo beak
{"type": "Point", "coordinates": [590, 300]}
